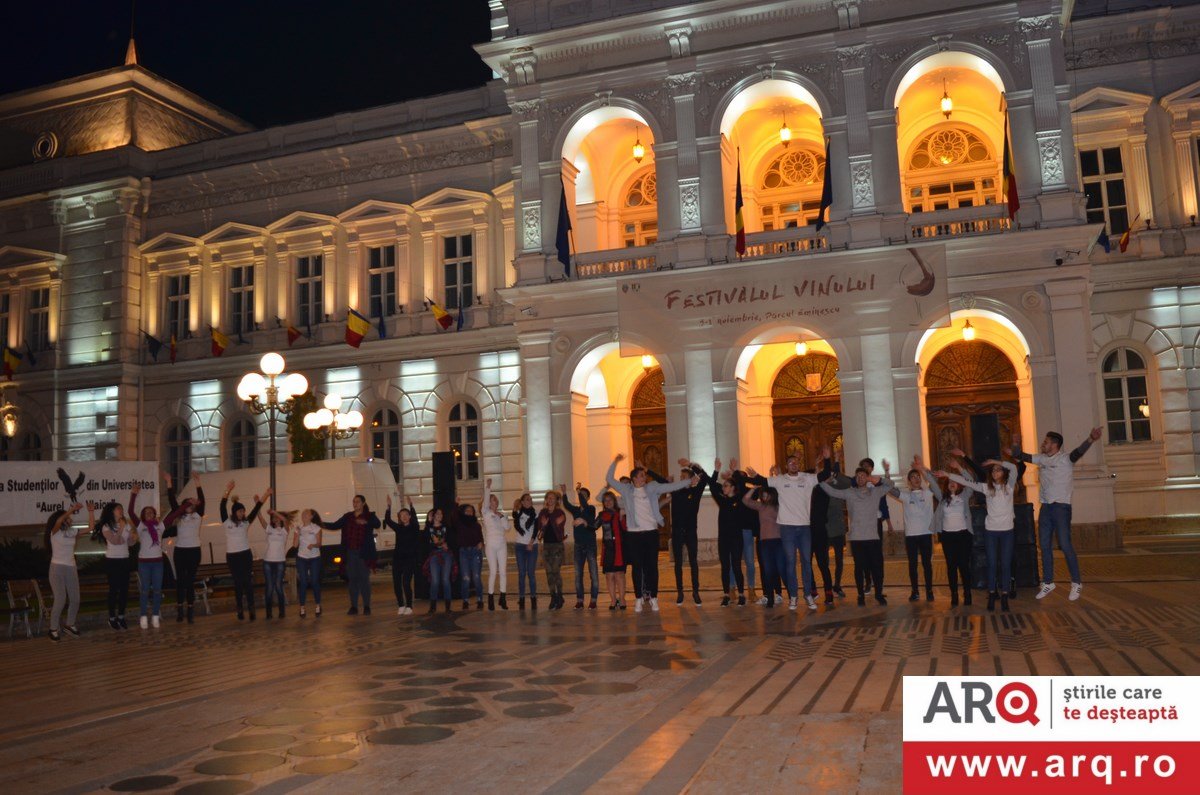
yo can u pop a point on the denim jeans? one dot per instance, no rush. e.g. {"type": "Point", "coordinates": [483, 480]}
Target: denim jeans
{"type": "Point", "coordinates": [748, 556]}
{"type": "Point", "coordinates": [359, 576]}
{"type": "Point", "coordinates": [151, 574]}
{"type": "Point", "coordinates": [470, 566]}
{"type": "Point", "coordinates": [1055, 520]}
{"type": "Point", "coordinates": [273, 583]}
{"type": "Point", "coordinates": [796, 538]}
{"type": "Point", "coordinates": [440, 564]}
{"type": "Point", "coordinates": [308, 575]}
{"type": "Point", "coordinates": [586, 555]}
{"type": "Point", "coordinates": [773, 561]}
{"type": "Point", "coordinates": [999, 551]}
{"type": "Point", "coordinates": [526, 569]}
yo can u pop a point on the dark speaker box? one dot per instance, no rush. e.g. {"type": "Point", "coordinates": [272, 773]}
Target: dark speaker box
{"type": "Point", "coordinates": [1023, 526]}
{"type": "Point", "coordinates": [985, 437]}
{"type": "Point", "coordinates": [445, 492]}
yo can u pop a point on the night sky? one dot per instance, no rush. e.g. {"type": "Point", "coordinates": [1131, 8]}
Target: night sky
{"type": "Point", "coordinates": [268, 61]}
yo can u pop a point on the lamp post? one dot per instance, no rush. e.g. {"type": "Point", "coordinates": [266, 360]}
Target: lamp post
{"type": "Point", "coordinates": [331, 423]}
{"type": "Point", "coordinates": [272, 393]}
{"type": "Point", "coordinates": [8, 415]}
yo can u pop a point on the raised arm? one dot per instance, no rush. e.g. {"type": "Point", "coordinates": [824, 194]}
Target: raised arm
{"type": "Point", "coordinates": [611, 476]}
{"type": "Point", "coordinates": [657, 478]}
{"type": "Point", "coordinates": [171, 497]}
{"type": "Point", "coordinates": [224, 506]}
{"type": "Point", "coordinates": [964, 482]}
{"type": "Point", "coordinates": [258, 504]}
{"type": "Point", "coordinates": [387, 515]}
{"type": "Point", "coordinates": [572, 509]}
{"type": "Point", "coordinates": [1082, 449]}
{"type": "Point", "coordinates": [199, 494]}
{"type": "Point", "coordinates": [66, 517]}
{"type": "Point", "coordinates": [749, 501]}
{"type": "Point", "coordinates": [933, 485]}
{"type": "Point", "coordinates": [832, 491]}
{"type": "Point", "coordinates": [132, 513]}
{"type": "Point", "coordinates": [173, 516]}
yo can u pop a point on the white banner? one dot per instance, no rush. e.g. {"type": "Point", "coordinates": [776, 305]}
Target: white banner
{"type": "Point", "coordinates": [31, 490]}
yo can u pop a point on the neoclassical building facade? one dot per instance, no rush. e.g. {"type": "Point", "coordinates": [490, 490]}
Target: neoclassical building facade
{"type": "Point", "coordinates": [130, 207]}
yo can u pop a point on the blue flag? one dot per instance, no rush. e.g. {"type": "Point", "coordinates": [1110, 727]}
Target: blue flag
{"type": "Point", "coordinates": [458, 324]}
{"type": "Point", "coordinates": [562, 239]}
{"type": "Point", "coordinates": [153, 344]}
{"type": "Point", "coordinates": [1104, 241]}
{"type": "Point", "coordinates": [382, 325]}
{"type": "Point", "coordinates": [826, 191]}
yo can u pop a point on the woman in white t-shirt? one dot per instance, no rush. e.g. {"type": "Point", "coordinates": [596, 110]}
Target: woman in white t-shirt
{"type": "Point", "coordinates": [919, 498]}
{"type": "Point", "coordinates": [117, 533]}
{"type": "Point", "coordinates": [279, 529]}
{"type": "Point", "coordinates": [238, 555]}
{"type": "Point", "coordinates": [998, 493]}
{"type": "Point", "coordinates": [64, 577]}
{"type": "Point", "coordinates": [308, 557]}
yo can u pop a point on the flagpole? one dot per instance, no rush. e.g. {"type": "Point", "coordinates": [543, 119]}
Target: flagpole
{"type": "Point", "coordinates": [571, 246]}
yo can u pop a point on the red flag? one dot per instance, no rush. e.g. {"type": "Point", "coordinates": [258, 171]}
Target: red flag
{"type": "Point", "coordinates": [293, 334]}
{"type": "Point", "coordinates": [357, 327]}
{"type": "Point", "coordinates": [172, 349]}
{"type": "Point", "coordinates": [219, 342]}
{"type": "Point", "coordinates": [1010, 173]}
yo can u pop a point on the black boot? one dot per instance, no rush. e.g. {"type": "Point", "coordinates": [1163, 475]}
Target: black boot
{"type": "Point", "coordinates": [449, 607]}
{"type": "Point", "coordinates": [281, 609]}
{"type": "Point", "coordinates": [504, 602]}
{"type": "Point", "coordinates": [491, 602]}
{"type": "Point", "coordinates": [191, 613]}
{"type": "Point", "coordinates": [1004, 603]}
{"type": "Point", "coordinates": [928, 594]}
{"type": "Point", "coordinates": [914, 596]}
{"type": "Point", "coordinates": [533, 603]}
{"type": "Point", "coordinates": [954, 597]}
{"type": "Point", "coordinates": [967, 596]}
{"type": "Point", "coordinates": [432, 606]}
{"type": "Point", "coordinates": [270, 612]}
{"type": "Point", "coordinates": [992, 595]}
{"type": "Point", "coordinates": [520, 602]}
{"type": "Point", "coordinates": [466, 605]}
{"type": "Point", "coordinates": [178, 614]}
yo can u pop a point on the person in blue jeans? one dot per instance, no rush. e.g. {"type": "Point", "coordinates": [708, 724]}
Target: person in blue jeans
{"type": "Point", "coordinates": [583, 533]}
{"type": "Point", "coordinates": [998, 492]}
{"type": "Point", "coordinates": [308, 558]}
{"type": "Point", "coordinates": [469, 533]}
{"type": "Point", "coordinates": [795, 489]}
{"type": "Point", "coordinates": [526, 549]}
{"type": "Point", "coordinates": [1056, 482]}
{"type": "Point", "coordinates": [439, 568]}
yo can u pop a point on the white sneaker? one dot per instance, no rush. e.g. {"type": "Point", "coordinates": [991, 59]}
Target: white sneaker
{"type": "Point", "coordinates": [1047, 587]}
{"type": "Point", "coordinates": [654, 603]}
{"type": "Point", "coordinates": [154, 622]}
{"type": "Point", "coordinates": [400, 610]}
{"type": "Point", "coordinates": [144, 622]}
{"type": "Point", "coordinates": [792, 603]}
{"type": "Point", "coordinates": [1076, 587]}
{"type": "Point", "coordinates": [812, 603]}
{"type": "Point", "coordinates": [637, 605]}
{"type": "Point", "coordinates": [762, 600]}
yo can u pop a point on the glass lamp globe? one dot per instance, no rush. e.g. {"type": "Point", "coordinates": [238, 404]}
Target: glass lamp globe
{"type": "Point", "coordinates": [271, 363]}
{"type": "Point", "coordinates": [341, 421]}
{"type": "Point", "coordinates": [311, 422]}
{"type": "Point", "coordinates": [333, 402]}
{"type": "Point", "coordinates": [354, 419]}
{"type": "Point", "coordinates": [324, 417]}
{"type": "Point", "coordinates": [296, 384]}
{"type": "Point", "coordinates": [251, 386]}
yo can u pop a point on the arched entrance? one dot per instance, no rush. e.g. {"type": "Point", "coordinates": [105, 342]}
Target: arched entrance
{"type": "Point", "coordinates": [971, 401]}
{"type": "Point", "coordinates": [648, 424]}
{"type": "Point", "coordinates": [806, 407]}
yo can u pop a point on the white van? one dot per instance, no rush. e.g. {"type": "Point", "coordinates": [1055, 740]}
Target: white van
{"type": "Point", "coordinates": [327, 487]}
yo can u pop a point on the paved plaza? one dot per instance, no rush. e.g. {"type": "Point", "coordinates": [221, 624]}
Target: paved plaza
{"type": "Point", "coordinates": [703, 699]}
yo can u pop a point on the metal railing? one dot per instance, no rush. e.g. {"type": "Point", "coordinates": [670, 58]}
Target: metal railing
{"type": "Point", "coordinates": [988, 219]}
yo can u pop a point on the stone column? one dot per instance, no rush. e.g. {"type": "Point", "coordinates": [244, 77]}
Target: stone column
{"type": "Point", "coordinates": [725, 414]}
{"type": "Point", "coordinates": [562, 444]}
{"type": "Point", "coordinates": [879, 399]}
{"type": "Point", "coordinates": [539, 434]}
{"type": "Point", "coordinates": [906, 388]}
{"type": "Point", "coordinates": [701, 415]}
{"type": "Point", "coordinates": [854, 416]}
{"type": "Point", "coordinates": [677, 423]}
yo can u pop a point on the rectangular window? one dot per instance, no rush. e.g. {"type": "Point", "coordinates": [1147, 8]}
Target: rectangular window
{"type": "Point", "coordinates": [178, 298]}
{"type": "Point", "coordinates": [459, 268]}
{"type": "Point", "coordinates": [381, 281]}
{"type": "Point", "coordinates": [241, 298]}
{"type": "Point", "coordinates": [1104, 186]}
{"type": "Point", "coordinates": [310, 289]}
{"type": "Point", "coordinates": [39, 319]}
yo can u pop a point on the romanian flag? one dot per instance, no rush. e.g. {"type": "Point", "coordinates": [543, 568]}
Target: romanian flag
{"type": "Point", "coordinates": [153, 344]}
{"type": "Point", "coordinates": [173, 349]}
{"type": "Point", "coordinates": [739, 222]}
{"type": "Point", "coordinates": [293, 334]}
{"type": "Point", "coordinates": [357, 327]}
{"type": "Point", "coordinates": [219, 342]}
{"type": "Point", "coordinates": [1123, 243]}
{"type": "Point", "coordinates": [826, 190]}
{"type": "Point", "coordinates": [441, 316]}
{"type": "Point", "coordinates": [12, 360]}
{"type": "Point", "coordinates": [1010, 171]}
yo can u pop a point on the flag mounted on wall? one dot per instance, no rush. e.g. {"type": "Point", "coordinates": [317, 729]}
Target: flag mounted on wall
{"type": "Point", "coordinates": [562, 236]}
{"type": "Point", "coordinates": [1010, 169]}
{"type": "Point", "coordinates": [826, 190]}
{"type": "Point", "coordinates": [440, 315]}
{"type": "Point", "coordinates": [293, 334]}
{"type": "Point", "coordinates": [173, 349]}
{"type": "Point", "coordinates": [12, 360]}
{"type": "Point", "coordinates": [739, 221]}
{"type": "Point", "coordinates": [153, 345]}
{"type": "Point", "coordinates": [357, 327]}
{"type": "Point", "coordinates": [219, 342]}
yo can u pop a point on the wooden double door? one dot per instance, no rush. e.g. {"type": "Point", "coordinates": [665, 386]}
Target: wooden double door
{"type": "Point", "coordinates": [805, 426]}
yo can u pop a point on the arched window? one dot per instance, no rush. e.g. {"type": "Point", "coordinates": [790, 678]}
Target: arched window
{"type": "Point", "coordinates": [639, 210]}
{"type": "Point", "coordinates": [464, 440]}
{"type": "Point", "coordinates": [243, 445]}
{"type": "Point", "coordinates": [31, 446]}
{"type": "Point", "coordinates": [952, 166]}
{"type": "Point", "coordinates": [177, 452]}
{"type": "Point", "coordinates": [1126, 398]}
{"type": "Point", "coordinates": [385, 439]}
{"type": "Point", "coordinates": [789, 192]}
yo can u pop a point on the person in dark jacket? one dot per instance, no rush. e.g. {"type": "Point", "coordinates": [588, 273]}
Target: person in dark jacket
{"type": "Point", "coordinates": [467, 533]}
{"type": "Point", "coordinates": [819, 515]}
{"type": "Point", "coordinates": [583, 533]}
{"type": "Point", "coordinates": [358, 527]}
{"type": "Point", "coordinates": [405, 555]}
{"type": "Point", "coordinates": [730, 521]}
{"type": "Point", "coordinates": [685, 505]}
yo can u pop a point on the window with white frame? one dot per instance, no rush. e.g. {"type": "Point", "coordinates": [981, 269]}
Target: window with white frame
{"type": "Point", "coordinates": [464, 440]}
{"type": "Point", "coordinates": [241, 298]}
{"type": "Point", "coordinates": [38, 333]}
{"type": "Point", "coordinates": [638, 216]}
{"type": "Point", "coordinates": [177, 452]}
{"type": "Point", "coordinates": [243, 445]}
{"type": "Point", "coordinates": [385, 439]}
{"type": "Point", "coordinates": [458, 265]}
{"type": "Point", "coordinates": [951, 167]}
{"type": "Point", "coordinates": [177, 292]}
{"type": "Point", "coordinates": [1103, 174]}
{"type": "Point", "coordinates": [789, 192]}
{"type": "Point", "coordinates": [381, 281]}
{"type": "Point", "coordinates": [310, 289]}
{"type": "Point", "coordinates": [1126, 397]}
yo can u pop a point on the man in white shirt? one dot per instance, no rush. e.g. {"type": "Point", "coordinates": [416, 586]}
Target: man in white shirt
{"type": "Point", "coordinates": [1056, 481]}
{"type": "Point", "coordinates": [795, 490]}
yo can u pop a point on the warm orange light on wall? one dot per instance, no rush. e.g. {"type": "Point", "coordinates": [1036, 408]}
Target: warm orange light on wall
{"type": "Point", "coordinates": [947, 103]}
{"type": "Point", "coordinates": [785, 132]}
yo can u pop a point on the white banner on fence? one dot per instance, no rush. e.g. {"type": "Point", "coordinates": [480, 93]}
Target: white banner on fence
{"type": "Point", "coordinates": [31, 490]}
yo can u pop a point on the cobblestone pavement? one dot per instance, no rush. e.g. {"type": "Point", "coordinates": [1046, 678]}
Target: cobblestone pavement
{"type": "Point", "coordinates": [705, 699]}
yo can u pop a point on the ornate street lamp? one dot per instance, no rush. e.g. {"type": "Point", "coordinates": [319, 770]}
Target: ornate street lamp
{"type": "Point", "coordinates": [272, 393]}
{"type": "Point", "coordinates": [8, 415]}
{"type": "Point", "coordinates": [331, 423]}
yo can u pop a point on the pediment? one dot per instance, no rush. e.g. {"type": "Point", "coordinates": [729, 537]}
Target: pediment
{"type": "Point", "coordinates": [1189, 95]}
{"type": "Point", "coordinates": [169, 242]}
{"type": "Point", "coordinates": [373, 209]}
{"type": "Point", "coordinates": [300, 221]}
{"type": "Point", "coordinates": [12, 257]}
{"type": "Point", "coordinates": [232, 232]}
{"type": "Point", "coordinates": [451, 198]}
{"type": "Point", "coordinates": [1103, 99]}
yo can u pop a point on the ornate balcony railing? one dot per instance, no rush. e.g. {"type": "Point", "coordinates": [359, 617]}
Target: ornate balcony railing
{"type": "Point", "coordinates": [614, 262]}
{"type": "Point", "coordinates": [780, 243]}
{"type": "Point", "coordinates": [988, 219]}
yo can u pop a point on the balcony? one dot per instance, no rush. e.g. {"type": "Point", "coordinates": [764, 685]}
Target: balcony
{"type": "Point", "coordinates": [615, 262]}
{"type": "Point", "coordinates": [780, 243]}
{"type": "Point", "coordinates": [988, 219]}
